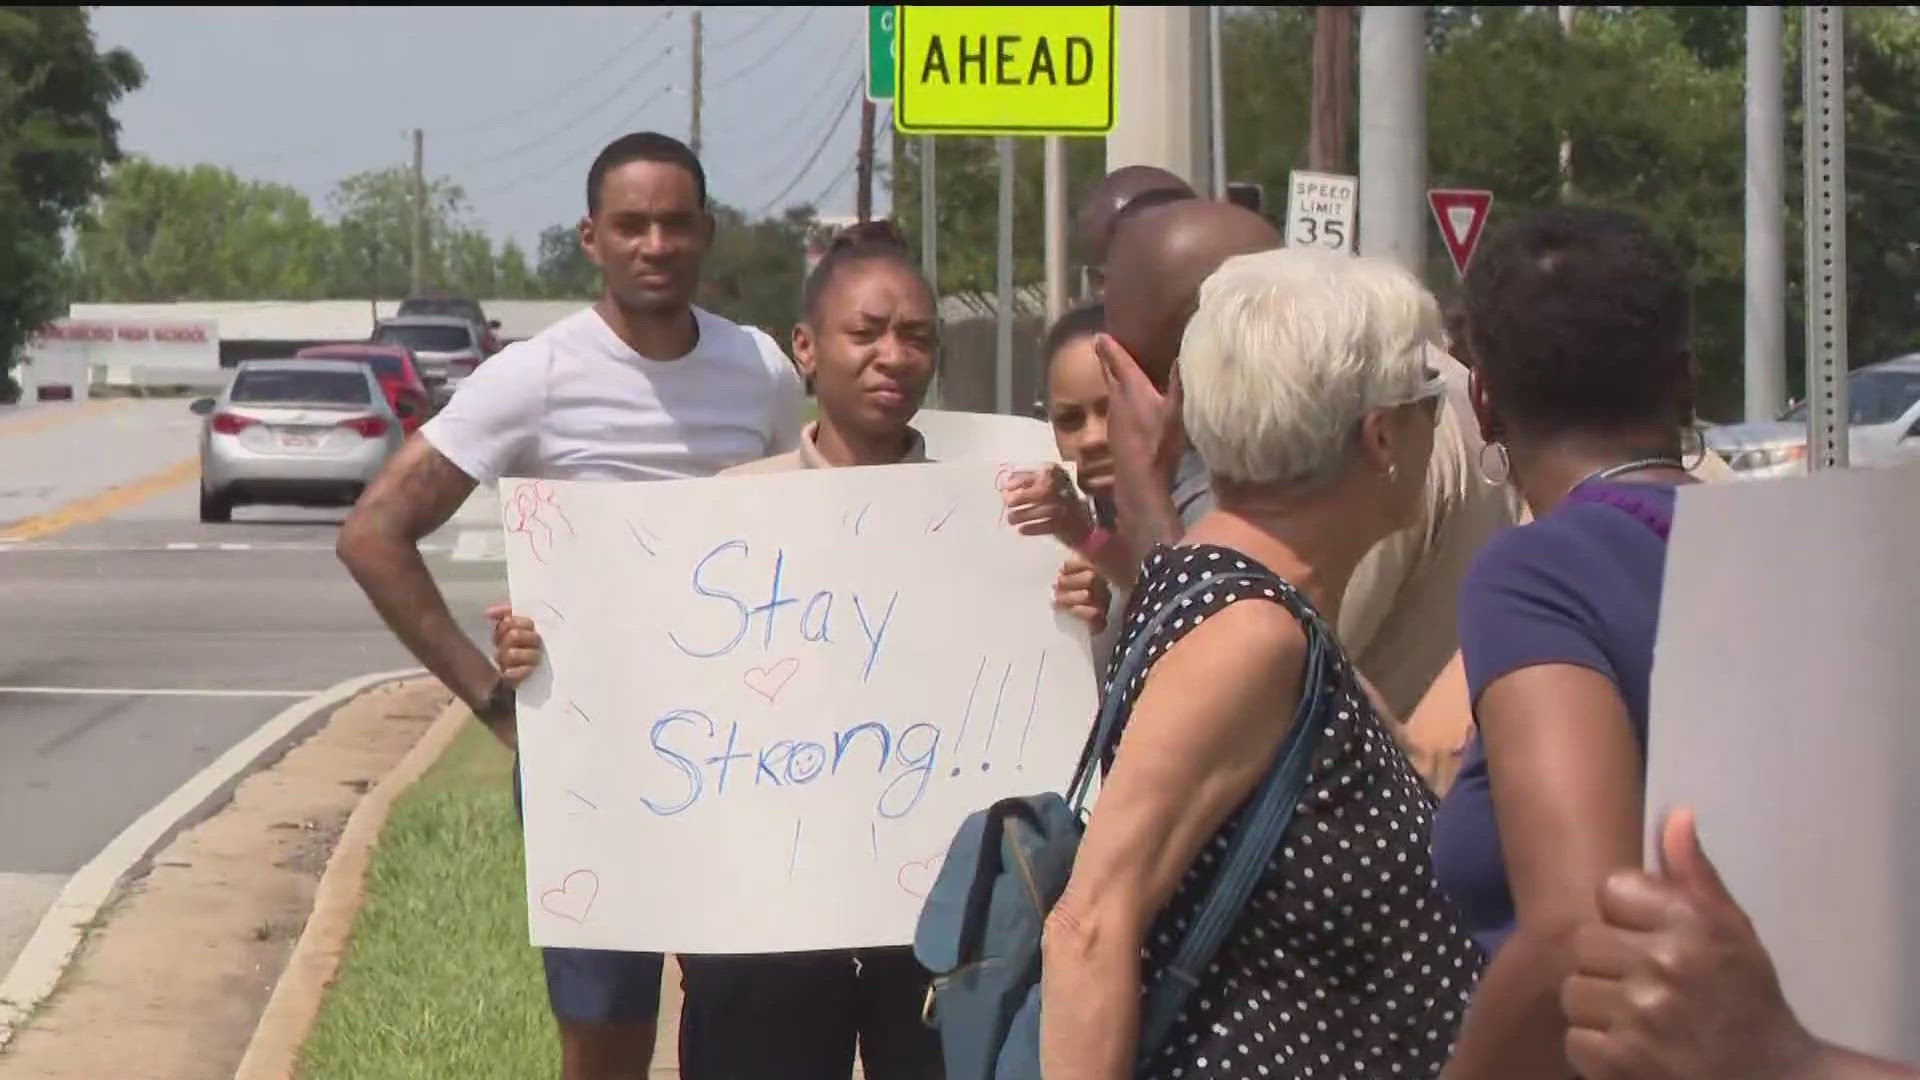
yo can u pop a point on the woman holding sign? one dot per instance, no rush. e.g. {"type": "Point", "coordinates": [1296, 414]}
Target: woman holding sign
{"type": "Point", "coordinates": [865, 345]}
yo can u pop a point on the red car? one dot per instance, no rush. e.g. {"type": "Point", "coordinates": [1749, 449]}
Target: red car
{"type": "Point", "coordinates": [394, 369]}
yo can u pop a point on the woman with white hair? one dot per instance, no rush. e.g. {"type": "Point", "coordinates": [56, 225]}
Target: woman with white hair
{"type": "Point", "coordinates": [1310, 395]}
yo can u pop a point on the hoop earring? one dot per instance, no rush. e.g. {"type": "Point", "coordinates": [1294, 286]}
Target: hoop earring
{"type": "Point", "coordinates": [1693, 448]}
{"type": "Point", "coordinates": [1505, 471]}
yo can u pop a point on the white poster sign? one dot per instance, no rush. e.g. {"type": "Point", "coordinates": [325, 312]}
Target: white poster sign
{"type": "Point", "coordinates": [1784, 703]}
{"type": "Point", "coordinates": [769, 701]}
{"type": "Point", "coordinates": [1320, 210]}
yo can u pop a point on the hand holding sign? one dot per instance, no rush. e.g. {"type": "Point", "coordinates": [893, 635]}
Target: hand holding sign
{"type": "Point", "coordinates": [1673, 982]}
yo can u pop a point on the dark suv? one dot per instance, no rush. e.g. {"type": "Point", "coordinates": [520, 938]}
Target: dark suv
{"type": "Point", "coordinates": [457, 307]}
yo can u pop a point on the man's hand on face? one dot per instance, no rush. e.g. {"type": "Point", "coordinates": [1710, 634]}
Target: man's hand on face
{"type": "Point", "coordinates": [1672, 982]}
{"type": "Point", "coordinates": [1143, 422]}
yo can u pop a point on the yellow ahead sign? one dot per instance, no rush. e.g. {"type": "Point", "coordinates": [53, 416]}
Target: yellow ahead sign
{"type": "Point", "coordinates": [1004, 70]}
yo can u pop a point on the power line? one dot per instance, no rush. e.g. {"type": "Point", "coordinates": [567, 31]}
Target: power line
{"type": "Point", "coordinates": [806, 16]}
{"type": "Point", "coordinates": [749, 31]}
{"type": "Point", "coordinates": [573, 156]}
{"type": "Point", "coordinates": [832, 186]}
{"type": "Point", "coordinates": [788, 123]}
{"type": "Point", "coordinates": [645, 68]}
{"type": "Point", "coordinates": [597, 70]}
{"type": "Point", "coordinates": [853, 91]}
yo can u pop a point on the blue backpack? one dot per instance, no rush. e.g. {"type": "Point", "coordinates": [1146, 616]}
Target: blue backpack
{"type": "Point", "coordinates": [979, 929]}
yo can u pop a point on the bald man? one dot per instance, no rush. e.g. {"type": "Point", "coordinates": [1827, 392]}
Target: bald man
{"type": "Point", "coordinates": [1125, 190]}
{"type": "Point", "coordinates": [1397, 619]}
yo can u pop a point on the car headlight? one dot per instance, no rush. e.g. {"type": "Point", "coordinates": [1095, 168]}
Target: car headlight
{"type": "Point", "coordinates": [1766, 457]}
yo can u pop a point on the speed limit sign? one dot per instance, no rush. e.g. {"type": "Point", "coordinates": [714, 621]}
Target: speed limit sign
{"type": "Point", "coordinates": [1320, 210]}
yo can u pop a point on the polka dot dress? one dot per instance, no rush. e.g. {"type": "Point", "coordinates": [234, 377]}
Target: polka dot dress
{"type": "Point", "coordinates": [1347, 961]}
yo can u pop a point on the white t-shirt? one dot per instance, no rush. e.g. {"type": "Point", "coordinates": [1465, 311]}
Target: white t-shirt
{"type": "Point", "coordinates": [574, 402]}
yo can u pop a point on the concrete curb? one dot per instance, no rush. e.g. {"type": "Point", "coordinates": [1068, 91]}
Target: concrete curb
{"type": "Point", "coordinates": [38, 969]}
{"type": "Point", "coordinates": [274, 1051]}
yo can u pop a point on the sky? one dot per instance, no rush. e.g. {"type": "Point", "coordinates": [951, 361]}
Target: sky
{"type": "Point", "coordinates": [515, 101]}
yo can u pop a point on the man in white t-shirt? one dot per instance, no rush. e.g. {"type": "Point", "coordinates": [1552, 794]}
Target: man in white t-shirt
{"type": "Point", "coordinates": [643, 385]}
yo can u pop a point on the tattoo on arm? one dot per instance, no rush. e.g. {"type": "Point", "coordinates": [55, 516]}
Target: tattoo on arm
{"type": "Point", "coordinates": [417, 492]}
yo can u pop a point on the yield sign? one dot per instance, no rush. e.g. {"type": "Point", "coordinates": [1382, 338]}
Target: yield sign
{"type": "Point", "coordinates": [1461, 215]}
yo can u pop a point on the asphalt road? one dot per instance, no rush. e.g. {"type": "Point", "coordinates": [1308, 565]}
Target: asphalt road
{"type": "Point", "coordinates": [140, 644]}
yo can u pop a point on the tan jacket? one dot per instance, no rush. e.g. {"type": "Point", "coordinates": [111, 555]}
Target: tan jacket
{"type": "Point", "coordinates": [807, 456]}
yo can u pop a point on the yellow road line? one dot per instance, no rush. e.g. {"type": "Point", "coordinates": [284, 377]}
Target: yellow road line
{"type": "Point", "coordinates": [92, 508]}
{"type": "Point", "coordinates": [54, 415]}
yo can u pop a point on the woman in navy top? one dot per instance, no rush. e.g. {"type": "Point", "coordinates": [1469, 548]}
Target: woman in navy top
{"type": "Point", "coordinates": [1579, 321]}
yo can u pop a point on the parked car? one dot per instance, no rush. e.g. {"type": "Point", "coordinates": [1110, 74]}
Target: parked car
{"type": "Point", "coordinates": [459, 307]}
{"type": "Point", "coordinates": [297, 432]}
{"type": "Point", "coordinates": [446, 347]}
{"type": "Point", "coordinates": [395, 371]}
{"type": "Point", "coordinates": [1883, 410]}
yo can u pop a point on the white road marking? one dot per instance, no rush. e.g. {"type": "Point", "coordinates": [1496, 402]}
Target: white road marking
{"type": "Point", "coordinates": [63, 548]}
{"type": "Point", "coordinates": [122, 691]}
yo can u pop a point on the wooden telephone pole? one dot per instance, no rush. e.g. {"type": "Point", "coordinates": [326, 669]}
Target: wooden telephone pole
{"type": "Point", "coordinates": [863, 196]}
{"type": "Point", "coordinates": [419, 210]}
{"type": "Point", "coordinates": [1332, 89]}
{"type": "Point", "coordinates": [693, 131]}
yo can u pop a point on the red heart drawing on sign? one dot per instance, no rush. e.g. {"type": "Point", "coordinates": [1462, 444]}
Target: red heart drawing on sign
{"type": "Point", "coordinates": [916, 878]}
{"type": "Point", "coordinates": [769, 681]}
{"type": "Point", "coordinates": [574, 898]}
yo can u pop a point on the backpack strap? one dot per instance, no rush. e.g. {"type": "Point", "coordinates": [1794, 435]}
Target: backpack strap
{"type": "Point", "coordinates": [1114, 701]}
{"type": "Point", "coordinates": [1263, 824]}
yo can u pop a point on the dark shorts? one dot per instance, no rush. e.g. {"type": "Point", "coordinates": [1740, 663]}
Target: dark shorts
{"type": "Point", "coordinates": [799, 1016]}
{"type": "Point", "coordinates": [597, 986]}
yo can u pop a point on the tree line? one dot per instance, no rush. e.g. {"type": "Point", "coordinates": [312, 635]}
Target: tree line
{"type": "Point", "coordinates": [1651, 100]}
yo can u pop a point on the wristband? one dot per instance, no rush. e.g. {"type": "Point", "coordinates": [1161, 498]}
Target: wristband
{"type": "Point", "coordinates": [1095, 543]}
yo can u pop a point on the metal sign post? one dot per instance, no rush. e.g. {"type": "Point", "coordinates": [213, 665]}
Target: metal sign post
{"type": "Point", "coordinates": [1003, 336]}
{"type": "Point", "coordinates": [1826, 214]}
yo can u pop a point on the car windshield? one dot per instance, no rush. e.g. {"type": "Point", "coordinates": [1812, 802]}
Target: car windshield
{"type": "Point", "coordinates": [308, 387]}
{"type": "Point", "coordinates": [1873, 397]}
{"type": "Point", "coordinates": [383, 364]}
{"type": "Point", "coordinates": [436, 305]}
{"type": "Point", "coordinates": [421, 338]}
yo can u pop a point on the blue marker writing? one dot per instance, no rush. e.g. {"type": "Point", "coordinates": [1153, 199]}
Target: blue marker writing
{"type": "Point", "coordinates": [741, 612]}
{"type": "Point", "coordinates": [874, 636]}
{"type": "Point", "coordinates": [688, 768]}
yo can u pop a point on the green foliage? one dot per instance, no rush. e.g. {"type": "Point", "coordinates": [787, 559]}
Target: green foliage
{"type": "Point", "coordinates": [563, 268]}
{"type": "Point", "coordinates": [160, 234]}
{"type": "Point", "coordinates": [1653, 100]}
{"type": "Point", "coordinates": [57, 134]}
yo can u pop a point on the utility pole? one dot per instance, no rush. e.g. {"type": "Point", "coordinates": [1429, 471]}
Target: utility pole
{"type": "Point", "coordinates": [1825, 159]}
{"type": "Point", "coordinates": [693, 129]}
{"type": "Point", "coordinates": [1003, 338]}
{"type": "Point", "coordinates": [1766, 344]}
{"type": "Point", "coordinates": [1216, 103]}
{"type": "Point", "coordinates": [929, 248]}
{"type": "Point", "coordinates": [1162, 102]}
{"type": "Point", "coordinates": [1565, 12]}
{"type": "Point", "coordinates": [1393, 135]}
{"type": "Point", "coordinates": [419, 210]}
{"type": "Point", "coordinates": [1054, 213]}
{"type": "Point", "coordinates": [863, 194]}
{"type": "Point", "coordinates": [1332, 89]}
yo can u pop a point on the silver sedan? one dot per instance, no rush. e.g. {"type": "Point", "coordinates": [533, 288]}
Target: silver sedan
{"type": "Point", "coordinates": [298, 432]}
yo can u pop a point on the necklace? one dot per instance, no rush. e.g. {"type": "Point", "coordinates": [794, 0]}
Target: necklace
{"type": "Point", "coordinates": [1612, 472]}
